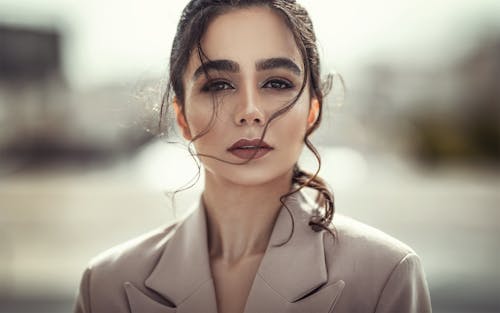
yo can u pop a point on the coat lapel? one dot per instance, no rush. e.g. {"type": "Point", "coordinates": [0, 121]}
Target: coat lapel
{"type": "Point", "coordinates": [140, 302]}
{"type": "Point", "coordinates": [292, 276]}
{"type": "Point", "coordinates": [183, 274]}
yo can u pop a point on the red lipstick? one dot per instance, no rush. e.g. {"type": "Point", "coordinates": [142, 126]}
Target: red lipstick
{"type": "Point", "coordinates": [248, 148]}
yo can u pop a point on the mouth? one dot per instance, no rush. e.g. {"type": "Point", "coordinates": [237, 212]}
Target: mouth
{"type": "Point", "coordinates": [250, 148]}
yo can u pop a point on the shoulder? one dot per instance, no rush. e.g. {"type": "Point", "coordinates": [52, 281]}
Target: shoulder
{"type": "Point", "coordinates": [381, 272]}
{"type": "Point", "coordinates": [137, 252]}
{"type": "Point", "coordinates": [102, 284]}
{"type": "Point", "coordinates": [355, 237]}
{"type": "Point", "coordinates": [377, 268]}
{"type": "Point", "coordinates": [131, 261]}
{"type": "Point", "coordinates": [361, 253]}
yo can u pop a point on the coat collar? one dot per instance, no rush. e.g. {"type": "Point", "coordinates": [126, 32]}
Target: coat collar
{"type": "Point", "coordinates": [289, 271]}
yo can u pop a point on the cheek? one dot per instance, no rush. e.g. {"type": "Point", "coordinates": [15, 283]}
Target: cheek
{"type": "Point", "coordinates": [292, 125]}
{"type": "Point", "coordinates": [198, 121]}
{"type": "Point", "coordinates": [198, 115]}
{"type": "Point", "coordinates": [210, 126]}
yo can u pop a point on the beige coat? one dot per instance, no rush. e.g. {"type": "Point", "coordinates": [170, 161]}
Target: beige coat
{"type": "Point", "coordinates": [168, 270]}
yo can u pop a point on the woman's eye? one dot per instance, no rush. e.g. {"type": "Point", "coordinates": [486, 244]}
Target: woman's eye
{"type": "Point", "coordinates": [278, 84]}
{"type": "Point", "coordinates": [215, 86]}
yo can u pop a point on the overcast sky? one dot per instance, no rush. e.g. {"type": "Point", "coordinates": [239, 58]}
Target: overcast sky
{"type": "Point", "coordinates": [122, 40]}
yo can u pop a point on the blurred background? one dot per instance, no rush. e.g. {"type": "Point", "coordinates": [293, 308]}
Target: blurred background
{"type": "Point", "coordinates": [411, 146]}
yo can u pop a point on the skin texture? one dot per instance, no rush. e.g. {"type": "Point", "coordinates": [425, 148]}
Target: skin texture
{"type": "Point", "coordinates": [242, 200]}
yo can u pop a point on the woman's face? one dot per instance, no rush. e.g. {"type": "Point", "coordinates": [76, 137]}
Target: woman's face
{"type": "Point", "coordinates": [255, 69]}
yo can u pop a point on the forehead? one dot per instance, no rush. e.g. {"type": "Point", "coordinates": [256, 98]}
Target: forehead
{"type": "Point", "coordinates": [247, 35]}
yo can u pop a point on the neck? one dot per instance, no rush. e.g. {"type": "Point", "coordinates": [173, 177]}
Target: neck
{"type": "Point", "coordinates": [240, 218]}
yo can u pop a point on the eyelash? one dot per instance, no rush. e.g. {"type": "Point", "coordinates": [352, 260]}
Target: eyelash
{"type": "Point", "coordinates": [216, 85]}
{"type": "Point", "coordinates": [284, 84]}
{"type": "Point", "coordinates": [221, 85]}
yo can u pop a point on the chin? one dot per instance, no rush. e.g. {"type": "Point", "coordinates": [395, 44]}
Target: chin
{"type": "Point", "coordinates": [251, 176]}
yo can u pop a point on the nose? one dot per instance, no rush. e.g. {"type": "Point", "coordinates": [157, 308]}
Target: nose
{"type": "Point", "coordinates": [248, 112]}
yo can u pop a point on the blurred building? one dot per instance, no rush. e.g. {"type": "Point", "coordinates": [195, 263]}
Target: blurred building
{"type": "Point", "coordinates": [42, 119]}
{"type": "Point", "coordinates": [431, 114]}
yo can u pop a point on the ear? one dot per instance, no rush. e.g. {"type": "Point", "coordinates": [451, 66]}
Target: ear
{"type": "Point", "coordinates": [313, 112]}
{"type": "Point", "coordinates": [181, 119]}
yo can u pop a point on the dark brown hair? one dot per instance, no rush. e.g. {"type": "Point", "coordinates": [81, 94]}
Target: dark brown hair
{"type": "Point", "coordinates": [193, 23]}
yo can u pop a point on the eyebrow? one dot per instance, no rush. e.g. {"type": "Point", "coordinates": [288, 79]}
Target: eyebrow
{"type": "Point", "coordinates": [285, 63]}
{"type": "Point", "coordinates": [216, 65]}
{"type": "Point", "coordinates": [262, 65]}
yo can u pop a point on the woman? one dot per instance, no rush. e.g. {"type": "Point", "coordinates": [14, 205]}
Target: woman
{"type": "Point", "coordinates": [247, 94]}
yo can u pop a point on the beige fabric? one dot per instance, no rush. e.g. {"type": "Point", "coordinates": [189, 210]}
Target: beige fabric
{"type": "Point", "coordinates": [167, 271]}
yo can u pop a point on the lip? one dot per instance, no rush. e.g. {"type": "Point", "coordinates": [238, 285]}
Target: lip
{"type": "Point", "coordinates": [250, 148]}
